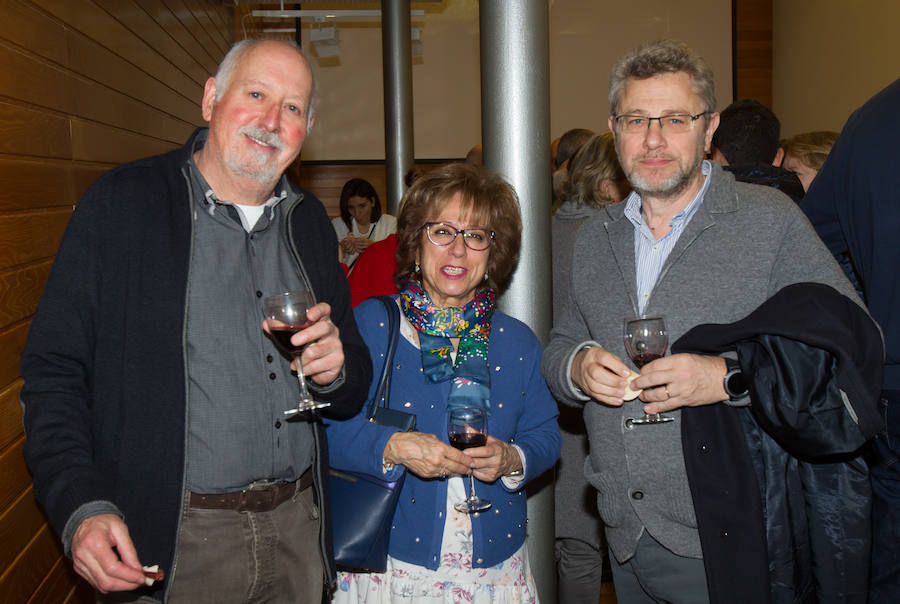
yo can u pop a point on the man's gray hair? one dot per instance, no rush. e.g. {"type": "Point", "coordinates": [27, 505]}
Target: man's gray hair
{"type": "Point", "coordinates": [232, 58]}
{"type": "Point", "coordinates": [657, 58]}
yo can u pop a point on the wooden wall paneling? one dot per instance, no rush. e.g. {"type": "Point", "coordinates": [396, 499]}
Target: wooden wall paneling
{"type": "Point", "coordinates": [26, 131]}
{"type": "Point", "coordinates": [10, 415]}
{"type": "Point", "coordinates": [32, 80]}
{"type": "Point", "coordinates": [29, 236]}
{"type": "Point", "coordinates": [93, 60]}
{"type": "Point", "coordinates": [169, 23]}
{"type": "Point", "coordinates": [57, 586]}
{"type": "Point", "coordinates": [20, 290]}
{"type": "Point", "coordinates": [42, 183]}
{"type": "Point", "coordinates": [153, 51]}
{"type": "Point", "coordinates": [18, 525]}
{"type": "Point", "coordinates": [28, 27]}
{"type": "Point", "coordinates": [212, 27]}
{"type": "Point", "coordinates": [29, 569]}
{"type": "Point", "coordinates": [98, 143]}
{"type": "Point", "coordinates": [14, 479]}
{"type": "Point", "coordinates": [753, 50]}
{"type": "Point", "coordinates": [189, 19]}
{"type": "Point", "coordinates": [12, 341]}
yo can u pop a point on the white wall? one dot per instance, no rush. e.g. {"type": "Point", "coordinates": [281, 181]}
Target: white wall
{"type": "Point", "coordinates": [586, 37]}
{"type": "Point", "coordinates": [829, 57]}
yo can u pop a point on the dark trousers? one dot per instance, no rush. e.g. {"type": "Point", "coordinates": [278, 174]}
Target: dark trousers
{"type": "Point", "coordinates": [579, 570]}
{"type": "Point", "coordinates": [654, 575]}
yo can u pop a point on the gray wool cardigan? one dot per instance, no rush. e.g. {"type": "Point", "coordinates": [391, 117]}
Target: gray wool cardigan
{"type": "Point", "coordinates": [744, 244]}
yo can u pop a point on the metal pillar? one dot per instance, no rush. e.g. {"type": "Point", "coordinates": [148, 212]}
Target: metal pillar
{"type": "Point", "coordinates": [515, 126]}
{"type": "Point", "coordinates": [398, 98]}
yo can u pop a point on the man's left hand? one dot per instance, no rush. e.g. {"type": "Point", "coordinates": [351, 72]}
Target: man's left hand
{"type": "Point", "coordinates": [681, 380]}
{"type": "Point", "coordinates": [323, 356]}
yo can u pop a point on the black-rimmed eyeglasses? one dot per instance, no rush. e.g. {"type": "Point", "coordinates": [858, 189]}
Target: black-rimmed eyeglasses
{"type": "Point", "coordinates": [674, 122]}
{"type": "Point", "coordinates": [443, 235]}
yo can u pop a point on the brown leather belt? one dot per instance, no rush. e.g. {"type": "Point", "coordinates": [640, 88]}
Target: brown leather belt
{"type": "Point", "coordinates": [257, 499]}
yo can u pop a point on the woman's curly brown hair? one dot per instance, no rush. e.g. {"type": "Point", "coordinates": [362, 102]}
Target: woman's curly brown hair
{"type": "Point", "coordinates": [489, 201]}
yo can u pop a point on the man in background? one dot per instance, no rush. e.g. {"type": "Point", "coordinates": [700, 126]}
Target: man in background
{"type": "Point", "coordinates": [854, 205]}
{"type": "Point", "coordinates": [746, 144]}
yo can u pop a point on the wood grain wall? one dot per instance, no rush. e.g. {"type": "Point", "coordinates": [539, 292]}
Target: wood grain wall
{"type": "Point", "coordinates": [84, 85]}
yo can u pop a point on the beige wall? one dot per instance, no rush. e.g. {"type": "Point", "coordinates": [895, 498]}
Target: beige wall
{"type": "Point", "coordinates": [586, 36]}
{"type": "Point", "coordinates": [830, 56]}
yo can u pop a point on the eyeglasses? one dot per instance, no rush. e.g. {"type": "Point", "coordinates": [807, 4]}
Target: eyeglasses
{"type": "Point", "coordinates": [675, 122]}
{"type": "Point", "coordinates": [443, 235]}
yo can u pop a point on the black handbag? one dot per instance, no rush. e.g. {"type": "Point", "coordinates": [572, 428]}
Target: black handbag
{"type": "Point", "coordinates": [362, 505]}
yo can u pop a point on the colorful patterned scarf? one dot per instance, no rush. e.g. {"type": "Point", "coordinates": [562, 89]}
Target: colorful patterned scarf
{"type": "Point", "coordinates": [436, 325]}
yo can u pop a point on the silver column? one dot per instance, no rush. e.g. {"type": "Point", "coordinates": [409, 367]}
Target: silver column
{"type": "Point", "coordinates": [398, 98]}
{"type": "Point", "coordinates": [515, 126]}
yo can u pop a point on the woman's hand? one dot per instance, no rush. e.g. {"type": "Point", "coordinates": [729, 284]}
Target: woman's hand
{"type": "Point", "coordinates": [425, 455]}
{"type": "Point", "coordinates": [347, 245]}
{"type": "Point", "coordinates": [494, 460]}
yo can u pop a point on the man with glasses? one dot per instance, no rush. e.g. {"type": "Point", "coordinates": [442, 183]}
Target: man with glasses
{"type": "Point", "coordinates": [694, 246]}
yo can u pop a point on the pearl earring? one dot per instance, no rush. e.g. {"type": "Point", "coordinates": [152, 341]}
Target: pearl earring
{"type": "Point", "coordinates": [416, 270]}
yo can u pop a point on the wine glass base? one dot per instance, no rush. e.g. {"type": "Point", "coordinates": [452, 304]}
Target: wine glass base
{"type": "Point", "coordinates": [472, 506]}
{"type": "Point", "coordinates": [305, 407]}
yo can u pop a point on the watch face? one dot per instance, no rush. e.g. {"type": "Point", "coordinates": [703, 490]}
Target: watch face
{"type": "Point", "coordinates": [735, 384]}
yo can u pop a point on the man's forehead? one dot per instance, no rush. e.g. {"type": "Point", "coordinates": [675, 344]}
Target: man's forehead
{"type": "Point", "coordinates": [666, 92]}
{"type": "Point", "coordinates": [268, 65]}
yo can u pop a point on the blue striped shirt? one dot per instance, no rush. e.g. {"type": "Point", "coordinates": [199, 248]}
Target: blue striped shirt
{"type": "Point", "coordinates": [649, 253]}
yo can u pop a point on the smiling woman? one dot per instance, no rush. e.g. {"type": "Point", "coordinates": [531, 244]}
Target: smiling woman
{"type": "Point", "coordinates": [459, 233]}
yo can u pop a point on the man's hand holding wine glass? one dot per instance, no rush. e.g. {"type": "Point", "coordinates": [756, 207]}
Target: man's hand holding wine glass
{"type": "Point", "coordinates": [681, 380]}
{"type": "Point", "coordinates": [323, 358]}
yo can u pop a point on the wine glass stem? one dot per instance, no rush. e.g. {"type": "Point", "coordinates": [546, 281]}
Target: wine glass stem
{"type": "Point", "coordinates": [304, 391]}
{"type": "Point", "coordinates": [472, 495]}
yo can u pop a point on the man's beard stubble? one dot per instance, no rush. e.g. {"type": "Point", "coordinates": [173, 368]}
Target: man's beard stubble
{"type": "Point", "coordinates": [257, 166]}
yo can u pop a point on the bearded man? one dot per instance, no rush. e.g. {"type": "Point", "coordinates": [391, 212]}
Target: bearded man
{"type": "Point", "coordinates": [152, 395]}
{"type": "Point", "coordinates": [693, 246]}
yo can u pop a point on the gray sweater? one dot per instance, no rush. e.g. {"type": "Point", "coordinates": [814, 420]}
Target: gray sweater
{"type": "Point", "coordinates": [744, 244]}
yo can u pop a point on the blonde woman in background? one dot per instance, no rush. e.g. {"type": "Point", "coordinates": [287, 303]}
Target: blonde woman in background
{"type": "Point", "coordinates": [595, 180]}
{"type": "Point", "coordinates": [804, 154]}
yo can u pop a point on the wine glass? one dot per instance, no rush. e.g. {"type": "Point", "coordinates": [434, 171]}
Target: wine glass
{"type": "Point", "coordinates": [646, 339]}
{"type": "Point", "coordinates": [466, 428]}
{"type": "Point", "coordinates": [286, 315]}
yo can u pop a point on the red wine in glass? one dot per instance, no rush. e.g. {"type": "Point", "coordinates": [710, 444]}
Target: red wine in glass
{"type": "Point", "coordinates": [285, 315]}
{"type": "Point", "coordinates": [466, 428]}
{"type": "Point", "coordinates": [643, 358]}
{"type": "Point", "coordinates": [646, 339]}
{"type": "Point", "coordinates": [282, 335]}
{"type": "Point", "coordinates": [463, 441]}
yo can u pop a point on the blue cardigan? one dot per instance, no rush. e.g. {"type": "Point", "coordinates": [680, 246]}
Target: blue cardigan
{"type": "Point", "coordinates": [522, 412]}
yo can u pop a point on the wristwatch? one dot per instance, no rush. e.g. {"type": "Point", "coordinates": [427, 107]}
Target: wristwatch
{"type": "Point", "coordinates": [734, 381]}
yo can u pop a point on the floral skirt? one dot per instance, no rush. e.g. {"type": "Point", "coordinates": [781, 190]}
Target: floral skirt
{"type": "Point", "coordinates": [509, 582]}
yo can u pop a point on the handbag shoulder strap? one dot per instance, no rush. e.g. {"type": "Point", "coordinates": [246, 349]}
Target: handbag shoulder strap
{"type": "Point", "coordinates": [383, 392]}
